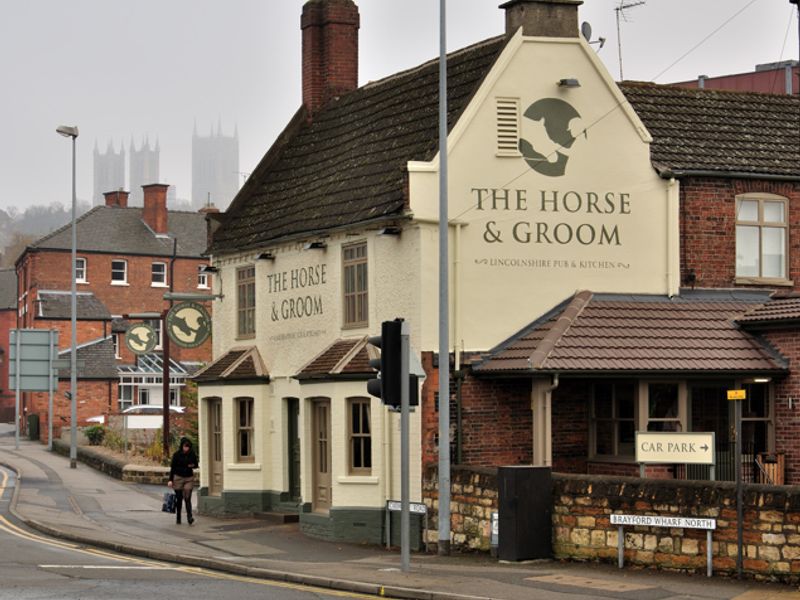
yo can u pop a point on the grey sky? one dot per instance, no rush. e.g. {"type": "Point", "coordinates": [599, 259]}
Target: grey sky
{"type": "Point", "coordinates": [121, 68]}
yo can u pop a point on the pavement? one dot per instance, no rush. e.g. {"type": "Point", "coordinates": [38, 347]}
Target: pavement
{"type": "Point", "coordinates": [85, 506]}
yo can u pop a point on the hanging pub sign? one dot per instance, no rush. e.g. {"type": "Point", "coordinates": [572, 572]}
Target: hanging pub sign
{"type": "Point", "coordinates": [188, 324]}
{"type": "Point", "coordinates": [141, 338]}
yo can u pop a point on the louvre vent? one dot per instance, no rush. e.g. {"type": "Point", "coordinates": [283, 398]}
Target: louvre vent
{"type": "Point", "coordinates": [508, 126]}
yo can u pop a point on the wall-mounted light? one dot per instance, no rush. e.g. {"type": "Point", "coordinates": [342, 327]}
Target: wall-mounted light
{"type": "Point", "coordinates": [266, 256]}
{"type": "Point", "coordinates": [761, 380]}
{"type": "Point", "coordinates": [569, 82]}
{"type": "Point", "coordinates": [390, 231]}
{"type": "Point", "coordinates": [207, 269]}
{"type": "Point", "coordinates": [315, 246]}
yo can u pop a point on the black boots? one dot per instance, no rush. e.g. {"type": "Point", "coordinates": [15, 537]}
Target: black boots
{"type": "Point", "coordinates": [178, 503]}
{"type": "Point", "coordinates": [189, 516]}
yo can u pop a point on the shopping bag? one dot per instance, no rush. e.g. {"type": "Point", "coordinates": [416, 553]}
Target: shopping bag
{"type": "Point", "coordinates": [168, 506]}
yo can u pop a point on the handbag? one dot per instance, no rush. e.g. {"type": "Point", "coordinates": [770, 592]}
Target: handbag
{"type": "Point", "coordinates": [168, 506]}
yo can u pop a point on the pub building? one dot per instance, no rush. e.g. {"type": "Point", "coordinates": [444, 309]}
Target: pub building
{"type": "Point", "coordinates": [621, 255]}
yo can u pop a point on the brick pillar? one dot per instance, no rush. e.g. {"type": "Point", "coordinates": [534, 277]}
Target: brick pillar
{"type": "Point", "coordinates": [154, 212]}
{"type": "Point", "coordinates": [118, 199]}
{"type": "Point", "coordinates": [330, 50]}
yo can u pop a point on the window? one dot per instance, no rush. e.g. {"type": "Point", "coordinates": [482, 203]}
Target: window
{"type": "Point", "coordinates": [613, 419]}
{"type": "Point", "coordinates": [174, 396]}
{"type": "Point", "coordinates": [354, 267]}
{"type": "Point", "coordinates": [144, 395]}
{"type": "Point", "coordinates": [80, 270]}
{"type": "Point", "coordinates": [761, 237]}
{"type": "Point", "coordinates": [246, 303]}
{"type": "Point", "coordinates": [244, 430]}
{"type": "Point", "coordinates": [115, 341]}
{"type": "Point", "coordinates": [156, 325]}
{"type": "Point", "coordinates": [663, 407]}
{"type": "Point", "coordinates": [119, 272]}
{"type": "Point", "coordinates": [360, 436]}
{"type": "Point", "coordinates": [757, 422]}
{"type": "Point", "coordinates": [158, 274]}
{"type": "Point", "coordinates": [125, 396]}
{"type": "Point", "coordinates": [202, 279]}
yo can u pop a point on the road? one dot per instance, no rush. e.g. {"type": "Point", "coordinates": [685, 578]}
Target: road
{"type": "Point", "coordinates": [35, 566]}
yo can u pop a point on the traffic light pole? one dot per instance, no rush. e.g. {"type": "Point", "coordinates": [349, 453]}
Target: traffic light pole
{"type": "Point", "coordinates": [405, 495]}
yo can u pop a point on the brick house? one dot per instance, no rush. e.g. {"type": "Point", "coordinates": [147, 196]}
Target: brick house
{"type": "Point", "coordinates": [127, 258]}
{"type": "Point", "coordinates": [8, 319]}
{"type": "Point", "coordinates": [559, 180]}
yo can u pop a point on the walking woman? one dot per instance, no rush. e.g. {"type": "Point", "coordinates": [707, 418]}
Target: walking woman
{"type": "Point", "coordinates": [181, 478]}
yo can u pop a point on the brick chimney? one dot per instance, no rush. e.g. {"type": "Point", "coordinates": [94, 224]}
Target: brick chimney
{"type": "Point", "coordinates": [330, 50]}
{"type": "Point", "coordinates": [154, 212]}
{"type": "Point", "coordinates": [543, 18]}
{"type": "Point", "coordinates": [117, 199]}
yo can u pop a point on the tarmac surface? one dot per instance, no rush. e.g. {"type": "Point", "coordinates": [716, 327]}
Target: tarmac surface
{"type": "Point", "coordinates": [85, 506]}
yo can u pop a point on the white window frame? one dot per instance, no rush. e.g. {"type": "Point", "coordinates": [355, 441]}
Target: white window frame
{"type": "Point", "coordinates": [143, 396]}
{"type": "Point", "coordinates": [163, 275]}
{"type": "Point", "coordinates": [124, 280]}
{"type": "Point", "coordinates": [359, 438]}
{"type": "Point", "coordinates": [115, 339]}
{"type": "Point", "coordinates": [246, 455]}
{"type": "Point", "coordinates": [202, 278]}
{"type": "Point", "coordinates": [761, 224]}
{"type": "Point", "coordinates": [125, 396]}
{"type": "Point", "coordinates": [80, 268]}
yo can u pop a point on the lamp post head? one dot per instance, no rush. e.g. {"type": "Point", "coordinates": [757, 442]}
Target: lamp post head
{"type": "Point", "coordinates": [67, 130]}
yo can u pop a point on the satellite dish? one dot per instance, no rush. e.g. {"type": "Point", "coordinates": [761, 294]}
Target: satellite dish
{"type": "Point", "coordinates": [586, 31]}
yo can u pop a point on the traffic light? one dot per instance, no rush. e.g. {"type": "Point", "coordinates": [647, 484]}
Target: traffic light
{"type": "Point", "coordinates": [387, 385]}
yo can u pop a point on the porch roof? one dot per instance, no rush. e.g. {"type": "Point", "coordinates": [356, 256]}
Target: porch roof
{"type": "Point", "coordinates": [781, 310]}
{"type": "Point", "coordinates": [238, 364]}
{"type": "Point", "coordinates": [343, 359]}
{"type": "Point", "coordinates": [601, 334]}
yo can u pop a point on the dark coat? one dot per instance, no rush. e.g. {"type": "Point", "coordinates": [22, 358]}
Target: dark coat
{"type": "Point", "coordinates": [183, 462]}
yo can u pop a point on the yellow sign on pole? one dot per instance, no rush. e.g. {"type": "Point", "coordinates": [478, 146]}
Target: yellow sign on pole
{"type": "Point", "coordinates": [737, 394]}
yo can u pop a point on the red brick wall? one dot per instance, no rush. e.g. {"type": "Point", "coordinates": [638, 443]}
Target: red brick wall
{"type": "Point", "coordinates": [708, 227]}
{"type": "Point", "coordinates": [95, 397]}
{"type": "Point", "coordinates": [570, 423]}
{"type": "Point", "coordinates": [496, 420]}
{"type": "Point", "coordinates": [8, 321]}
{"type": "Point", "coordinates": [787, 421]}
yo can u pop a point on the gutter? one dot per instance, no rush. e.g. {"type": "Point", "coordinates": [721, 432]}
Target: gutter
{"type": "Point", "coordinates": [680, 173]}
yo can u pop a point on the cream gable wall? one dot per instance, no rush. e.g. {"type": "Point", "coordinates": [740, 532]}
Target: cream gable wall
{"type": "Point", "coordinates": [499, 282]}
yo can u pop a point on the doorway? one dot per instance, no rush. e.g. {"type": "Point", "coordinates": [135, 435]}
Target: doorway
{"type": "Point", "coordinates": [293, 448]}
{"type": "Point", "coordinates": [321, 440]}
{"type": "Point", "coordinates": [215, 446]}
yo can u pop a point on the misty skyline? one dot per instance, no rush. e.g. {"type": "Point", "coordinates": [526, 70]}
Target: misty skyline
{"type": "Point", "coordinates": [152, 69]}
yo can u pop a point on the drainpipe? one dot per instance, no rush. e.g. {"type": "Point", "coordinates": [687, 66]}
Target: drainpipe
{"type": "Point", "coordinates": [459, 376]}
{"type": "Point", "coordinates": [544, 414]}
{"type": "Point", "coordinates": [456, 296]}
{"type": "Point", "coordinates": [671, 189]}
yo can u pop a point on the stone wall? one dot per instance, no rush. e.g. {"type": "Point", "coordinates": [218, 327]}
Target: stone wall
{"type": "Point", "coordinates": [582, 505]}
{"type": "Point", "coordinates": [473, 499]}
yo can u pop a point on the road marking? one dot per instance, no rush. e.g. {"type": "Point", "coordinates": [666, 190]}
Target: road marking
{"type": "Point", "coordinates": [110, 567]}
{"type": "Point", "coordinates": [607, 585]}
{"type": "Point", "coordinates": [762, 595]}
{"type": "Point", "coordinates": [12, 529]}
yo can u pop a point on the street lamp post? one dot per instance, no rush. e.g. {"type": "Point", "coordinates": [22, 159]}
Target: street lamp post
{"type": "Point", "coordinates": [72, 132]}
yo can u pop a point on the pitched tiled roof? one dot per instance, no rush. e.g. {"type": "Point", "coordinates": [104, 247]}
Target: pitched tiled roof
{"type": "Point", "coordinates": [53, 304]}
{"type": "Point", "coordinates": [122, 231]}
{"type": "Point", "coordinates": [344, 359]}
{"type": "Point", "coordinates": [637, 334]}
{"type": "Point", "coordinates": [98, 357]}
{"type": "Point", "coordinates": [719, 131]}
{"type": "Point", "coordinates": [349, 164]}
{"type": "Point", "coordinates": [8, 289]}
{"type": "Point", "coordinates": [237, 364]}
{"type": "Point", "coordinates": [778, 311]}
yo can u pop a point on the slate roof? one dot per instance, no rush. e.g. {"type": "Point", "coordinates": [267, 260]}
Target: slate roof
{"type": "Point", "coordinates": [717, 130]}
{"type": "Point", "coordinates": [343, 359]}
{"type": "Point", "coordinates": [238, 364]}
{"type": "Point", "coordinates": [614, 334]}
{"type": "Point", "coordinates": [8, 289]}
{"type": "Point", "coordinates": [778, 311]}
{"type": "Point", "coordinates": [53, 304]}
{"type": "Point", "coordinates": [122, 231]}
{"type": "Point", "coordinates": [98, 356]}
{"type": "Point", "coordinates": [348, 165]}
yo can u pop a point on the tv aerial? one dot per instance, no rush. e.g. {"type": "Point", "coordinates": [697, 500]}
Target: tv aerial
{"type": "Point", "coordinates": [621, 9]}
{"type": "Point", "coordinates": [586, 32]}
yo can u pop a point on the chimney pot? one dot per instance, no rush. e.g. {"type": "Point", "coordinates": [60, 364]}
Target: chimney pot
{"type": "Point", "coordinates": [542, 18]}
{"type": "Point", "coordinates": [330, 50]}
{"type": "Point", "coordinates": [117, 198]}
{"type": "Point", "coordinates": [154, 213]}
